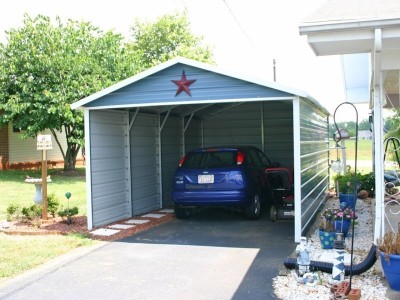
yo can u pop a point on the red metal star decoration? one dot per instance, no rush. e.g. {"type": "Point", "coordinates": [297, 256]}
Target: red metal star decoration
{"type": "Point", "coordinates": [183, 84]}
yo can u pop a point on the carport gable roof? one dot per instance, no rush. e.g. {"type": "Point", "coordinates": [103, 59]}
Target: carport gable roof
{"type": "Point", "coordinates": [159, 86]}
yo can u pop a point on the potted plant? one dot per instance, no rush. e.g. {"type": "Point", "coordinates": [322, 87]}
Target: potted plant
{"type": "Point", "coordinates": [338, 218]}
{"type": "Point", "coordinates": [345, 188]}
{"type": "Point", "coordinates": [327, 229]}
{"type": "Point", "coordinates": [389, 251]}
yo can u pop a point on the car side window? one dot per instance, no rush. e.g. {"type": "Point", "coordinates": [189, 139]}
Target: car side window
{"type": "Point", "coordinates": [253, 158]}
{"type": "Point", "coordinates": [265, 162]}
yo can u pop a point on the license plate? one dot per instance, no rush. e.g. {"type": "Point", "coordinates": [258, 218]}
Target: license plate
{"type": "Point", "coordinates": [205, 179]}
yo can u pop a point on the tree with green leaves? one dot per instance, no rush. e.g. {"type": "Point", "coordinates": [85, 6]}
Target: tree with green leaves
{"type": "Point", "coordinates": [168, 37]}
{"type": "Point", "coordinates": [45, 66]}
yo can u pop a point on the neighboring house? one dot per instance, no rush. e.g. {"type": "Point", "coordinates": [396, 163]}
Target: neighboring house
{"type": "Point", "coordinates": [18, 153]}
{"type": "Point", "coordinates": [365, 135]}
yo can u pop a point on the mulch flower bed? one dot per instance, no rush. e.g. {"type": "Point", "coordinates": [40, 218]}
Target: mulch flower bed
{"type": "Point", "coordinates": [78, 225]}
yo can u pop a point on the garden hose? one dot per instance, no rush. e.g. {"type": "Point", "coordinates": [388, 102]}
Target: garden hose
{"type": "Point", "coordinates": [360, 268]}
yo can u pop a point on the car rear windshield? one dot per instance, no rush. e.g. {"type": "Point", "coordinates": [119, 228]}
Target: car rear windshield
{"type": "Point", "coordinates": [212, 159]}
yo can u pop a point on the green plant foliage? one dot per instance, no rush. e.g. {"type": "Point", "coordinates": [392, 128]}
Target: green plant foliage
{"type": "Point", "coordinates": [168, 37]}
{"type": "Point", "coordinates": [32, 212]}
{"type": "Point", "coordinates": [53, 204]}
{"type": "Point", "coordinates": [65, 212]}
{"type": "Point", "coordinates": [362, 181]}
{"type": "Point", "coordinates": [13, 211]}
{"type": "Point", "coordinates": [45, 66]}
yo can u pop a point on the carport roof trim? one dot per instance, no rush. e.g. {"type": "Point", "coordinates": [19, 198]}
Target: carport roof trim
{"type": "Point", "coordinates": [81, 103]}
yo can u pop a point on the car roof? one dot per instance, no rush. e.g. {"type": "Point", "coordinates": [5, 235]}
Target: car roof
{"type": "Point", "coordinates": [223, 148]}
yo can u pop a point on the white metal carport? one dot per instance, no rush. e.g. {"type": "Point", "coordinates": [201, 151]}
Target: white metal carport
{"type": "Point", "coordinates": [137, 130]}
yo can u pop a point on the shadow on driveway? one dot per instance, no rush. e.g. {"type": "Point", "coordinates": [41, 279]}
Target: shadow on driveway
{"type": "Point", "coordinates": [213, 227]}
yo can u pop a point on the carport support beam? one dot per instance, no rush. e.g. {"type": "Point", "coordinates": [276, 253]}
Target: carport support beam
{"type": "Point", "coordinates": [185, 127]}
{"type": "Point", "coordinates": [161, 127]}
{"type": "Point", "coordinates": [296, 169]}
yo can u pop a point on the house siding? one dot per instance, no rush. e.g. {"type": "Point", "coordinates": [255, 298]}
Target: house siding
{"type": "Point", "coordinates": [23, 153]}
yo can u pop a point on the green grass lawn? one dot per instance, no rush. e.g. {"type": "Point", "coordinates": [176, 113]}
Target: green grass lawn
{"type": "Point", "coordinates": [21, 253]}
{"type": "Point", "coordinates": [13, 189]}
{"type": "Point", "coordinates": [364, 153]}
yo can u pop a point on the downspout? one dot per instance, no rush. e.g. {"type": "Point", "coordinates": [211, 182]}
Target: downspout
{"type": "Point", "coordinates": [378, 134]}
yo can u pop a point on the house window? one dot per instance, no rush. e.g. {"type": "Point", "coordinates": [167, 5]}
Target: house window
{"type": "Point", "coordinates": [17, 129]}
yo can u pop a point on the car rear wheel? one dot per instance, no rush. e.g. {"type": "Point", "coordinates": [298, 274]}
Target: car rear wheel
{"type": "Point", "coordinates": [182, 212]}
{"type": "Point", "coordinates": [253, 210]}
{"type": "Point", "coordinates": [273, 214]}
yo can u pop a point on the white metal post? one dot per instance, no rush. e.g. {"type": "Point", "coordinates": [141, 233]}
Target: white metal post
{"type": "Point", "coordinates": [297, 168]}
{"type": "Point", "coordinates": [88, 161]}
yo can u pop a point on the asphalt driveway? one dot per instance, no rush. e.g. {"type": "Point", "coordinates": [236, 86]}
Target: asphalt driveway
{"type": "Point", "coordinates": [216, 254]}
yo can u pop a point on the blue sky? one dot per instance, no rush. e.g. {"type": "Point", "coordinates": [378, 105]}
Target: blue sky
{"type": "Point", "coordinates": [246, 35]}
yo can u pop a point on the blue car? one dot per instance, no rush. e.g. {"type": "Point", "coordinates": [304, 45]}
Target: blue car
{"type": "Point", "coordinates": [221, 176]}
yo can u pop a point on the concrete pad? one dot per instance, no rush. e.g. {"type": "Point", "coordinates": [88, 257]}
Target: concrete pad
{"type": "Point", "coordinates": [156, 216]}
{"type": "Point", "coordinates": [137, 221]}
{"type": "Point", "coordinates": [121, 226]}
{"type": "Point", "coordinates": [167, 211]}
{"type": "Point", "coordinates": [105, 232]}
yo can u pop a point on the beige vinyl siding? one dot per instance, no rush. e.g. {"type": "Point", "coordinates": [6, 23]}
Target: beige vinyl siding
{"type": "Point", "coordinates": [24, 150]}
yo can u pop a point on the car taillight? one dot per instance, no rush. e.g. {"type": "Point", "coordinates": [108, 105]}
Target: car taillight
{"type": "Point", "coordinates": [239, 158]}
{"type": "Point", "coordinates": [182, 161]}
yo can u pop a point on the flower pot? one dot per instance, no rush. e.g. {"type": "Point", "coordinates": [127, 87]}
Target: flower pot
{"type": "Point", "coordinates": [342, 226]}
{"type": "Point", "coordinates": [351, 199]}
{"type": "Point", "coordinates": [326, 239]}
{"type": "Point", "coordinates": [391, 269]}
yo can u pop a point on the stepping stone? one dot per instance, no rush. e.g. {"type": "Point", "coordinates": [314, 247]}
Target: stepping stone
{"type": "Point", "coordinates": [167, 210]}
{"type": "Point", "coordinates": [121, 226]}
{"type": "Point", "coordinates": [105, 232]}
{"type": "Point", "coordinates": [157, 216]}
{"type": "Point", "coordinates": [137, 221]}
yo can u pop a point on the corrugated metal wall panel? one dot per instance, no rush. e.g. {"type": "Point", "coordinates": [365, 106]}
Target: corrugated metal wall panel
{"type": "Point", "coordinates": [171, 154]}
{"type": "Point", "coordinates": [193, 136]}
{"type": "Point", "coordinates": [230, 128]}
{"type": "Point", "coordinates": [314, 161]}
{"type": "Point", "coordinates": [109, 169]}
{"type": "Point", "coordinates": [278, 131]}
{"type": "Point", "coordinates": [144, 164]}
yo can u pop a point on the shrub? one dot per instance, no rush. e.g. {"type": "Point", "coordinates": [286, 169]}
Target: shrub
{"type": "Point", "coordinates": [53, 204]}
{"type": "Point", "coordinates": [68, 213]}
{"type": "Point", "coordinates": [390, 243]}
{"type": "Point", "coordinates": [13, 211]}
{"type": "Point", "coordinates": [32, 212]}
{"type": "Point", "coordinates": [363, 181]}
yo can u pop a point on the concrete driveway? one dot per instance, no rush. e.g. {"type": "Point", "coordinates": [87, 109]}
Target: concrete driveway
{"type": "Point", "coordinates": [217, 254]}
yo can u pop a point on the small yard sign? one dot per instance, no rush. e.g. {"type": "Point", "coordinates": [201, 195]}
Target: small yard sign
{"type": "Point", "coordinates": [43, 142]}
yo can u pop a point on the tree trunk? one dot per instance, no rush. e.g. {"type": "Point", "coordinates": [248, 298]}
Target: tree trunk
{"type": "Point", "coordinates": [70, 157]}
